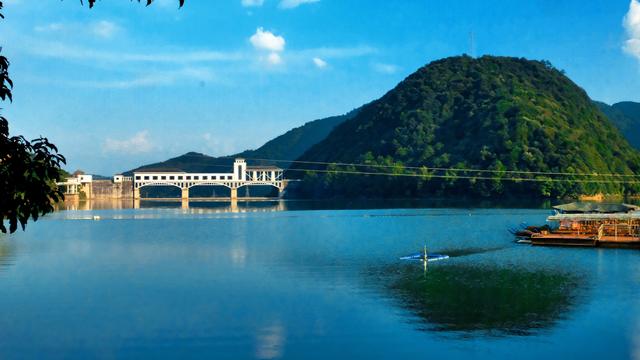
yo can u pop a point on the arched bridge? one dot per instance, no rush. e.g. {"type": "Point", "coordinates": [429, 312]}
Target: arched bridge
{"type": "Point", "coordinates": [242, 175]}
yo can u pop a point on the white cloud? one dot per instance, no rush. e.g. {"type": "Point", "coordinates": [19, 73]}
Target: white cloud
{"type": "Point", "coordinates": [67, 52]}
{"type": "Point", "coordinates": [104, 29]}
{"type": "Point", "coordinates": [274, 58]}
{"type": "Point", "coordinates": [252, 3]}
{"type": "Point", "coordinates": [319, 63]}
{"type": "Point", "coordinates": [222, 145]}
{"type": "Point", "coordinates": [336, 53]}
{"type": "Point", "coordinates": [138, 144]}
{"type": "Point", "coordinates": [632, 25]}
{"type": "Point", "coordinates": [53, 27]}
{"type": "Point", "coordinates": [164, 78]}
{"type": "Point", "coordinates": [266, 40]}
{"type": "Point", "coordinates": [290, 4]}
{"type": "Point", "coordinates": [385, 68]}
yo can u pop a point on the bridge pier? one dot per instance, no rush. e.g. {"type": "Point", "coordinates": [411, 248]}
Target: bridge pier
{"type": "Point", "coordinates": [136, 194]}
{"type": "Point", "coordinates": [234, 194]}
{"type": "Point", "coordinates": [185, 193]}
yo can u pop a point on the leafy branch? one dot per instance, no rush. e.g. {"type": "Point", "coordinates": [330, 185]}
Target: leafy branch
{"type": "Point", "coordinates": [28, 169]}
{"type": "Point", "coordinates": [92, 2]}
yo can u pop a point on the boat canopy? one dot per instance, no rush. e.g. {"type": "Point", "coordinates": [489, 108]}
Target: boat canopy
{"type": "Point", "coordinates": [595, 208]}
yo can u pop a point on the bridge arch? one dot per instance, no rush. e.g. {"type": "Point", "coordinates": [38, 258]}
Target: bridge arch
{"type": "Point", "coordinates": [146, 185]}
{"type": "Point", "coordinates": [241, 177]}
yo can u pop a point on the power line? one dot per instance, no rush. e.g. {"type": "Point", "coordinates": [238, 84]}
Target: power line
{"type": "Point", "coordinates": [523, 172]}
{"type": "Point", "coordinates": [455, 177]}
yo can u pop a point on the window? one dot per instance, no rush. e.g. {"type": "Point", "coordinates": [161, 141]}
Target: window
{"type": "Point", "coordinates": [214, 178]}
{"type": "Point", "coordinates": [188, 177]}
{"type": "Point", "coordinates": [137, 177]}
{"type": "Point", "coordinates": [196, 178]}
{"type": "Point", "coordinates": [172, 177]}
{"type": "Point", "coordinates": [155, 178]}
{"type": "Point", "coordinates": [146, 178]}
{"type": "Point", "coordinates": [205, 178]}
{"type": "Point", "coordinates": [228, 177]}
{"type": "Point", "coordinates": [179, 177]}
{"type": "Point", "coordinates": [163, 178]}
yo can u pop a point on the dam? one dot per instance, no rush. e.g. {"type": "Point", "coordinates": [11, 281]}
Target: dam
{"type": "Point", "coordinates": [129, 187]}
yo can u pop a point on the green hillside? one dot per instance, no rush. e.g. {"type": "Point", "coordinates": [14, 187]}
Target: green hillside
{"type": "Point", "coordinates": [626, 116]}
{"type": "Point", "coordinates": [288, 146]}
{"type": "Point", "coordinates": [492, 113]}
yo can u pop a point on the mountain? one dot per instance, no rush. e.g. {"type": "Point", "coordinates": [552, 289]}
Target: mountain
{"type": "Point", "coordinates": [626, 116]}
{"type": "Point", "coordinates": [288, 146]}
{"type": "Point", "coordinates": [498, 114]}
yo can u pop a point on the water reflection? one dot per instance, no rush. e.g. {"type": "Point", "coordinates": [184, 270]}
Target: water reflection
{"type": "Point", "coordinates": [484, 300]}
{"type": "Point", "coordinates": [270, 341]}
{"type": "Point", "coordinates": [6, 254]}
{"type": "Point", "coordinates": [224, 205]}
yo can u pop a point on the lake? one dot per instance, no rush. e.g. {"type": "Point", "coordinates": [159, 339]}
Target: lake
{"type": "Point", "coordinates": [296, 280]}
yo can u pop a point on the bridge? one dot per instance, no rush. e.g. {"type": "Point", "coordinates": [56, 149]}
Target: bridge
{"type": "Point", "coordinates": [242, 175]}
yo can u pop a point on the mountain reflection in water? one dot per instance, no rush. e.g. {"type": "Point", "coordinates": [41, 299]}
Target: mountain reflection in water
{"type": "Point", "coordinates": [483, 300]}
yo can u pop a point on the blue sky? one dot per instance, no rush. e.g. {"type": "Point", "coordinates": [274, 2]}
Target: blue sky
{"type": "Point", "coordinates": [122, 84]}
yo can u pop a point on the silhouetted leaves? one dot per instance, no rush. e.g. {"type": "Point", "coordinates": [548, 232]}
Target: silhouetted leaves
{"type": "Point", "coordinates": [149, 2]}
{"type": "Point", "coordinates": [28, 170]}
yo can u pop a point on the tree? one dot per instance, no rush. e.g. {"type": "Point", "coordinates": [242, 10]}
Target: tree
{"type": "Point", "coordinates": [29, 170]}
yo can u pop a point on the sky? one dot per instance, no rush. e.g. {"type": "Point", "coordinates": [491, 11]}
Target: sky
{"type": "Point", "coordinates": [122, 85]}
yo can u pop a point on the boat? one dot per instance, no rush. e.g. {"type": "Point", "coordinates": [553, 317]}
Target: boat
{"type": "Point", "coordinates": [588, 225]}
{"type": "Point", "coordinates": [424, 254]}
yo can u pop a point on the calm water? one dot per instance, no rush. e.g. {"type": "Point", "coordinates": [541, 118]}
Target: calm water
{"type": "Point", "coordinates": [278, 281]}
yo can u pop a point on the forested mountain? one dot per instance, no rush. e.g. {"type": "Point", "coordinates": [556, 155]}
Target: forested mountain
{"type": "Point", "coordinates": [492, 113]}
{"type": "Point", "coordinates": [626, 116]}
{"type": "Point", "coordinates": [288, 146]}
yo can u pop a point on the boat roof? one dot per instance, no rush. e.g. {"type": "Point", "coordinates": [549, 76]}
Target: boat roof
{"type": "Point", "coordinates": [595, 216]}
{"type": "Point", "coordinates": [595, 208]}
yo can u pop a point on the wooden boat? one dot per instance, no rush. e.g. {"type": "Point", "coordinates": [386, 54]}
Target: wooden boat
{"type": "Point", "coordinates": [596, 225]}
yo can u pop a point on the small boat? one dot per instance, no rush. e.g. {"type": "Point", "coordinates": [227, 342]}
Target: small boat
{"type": "Point", "coordinates": [421, 256]}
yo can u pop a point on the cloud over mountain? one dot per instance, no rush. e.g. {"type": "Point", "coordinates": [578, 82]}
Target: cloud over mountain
{"type": "Point", "coordinates": [632, 26]}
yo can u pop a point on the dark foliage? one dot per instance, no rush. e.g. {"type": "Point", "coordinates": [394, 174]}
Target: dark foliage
{"type": "Point", "coordinates": [493, 113]}
{"type": "Point", "coordinates": [28, 169]}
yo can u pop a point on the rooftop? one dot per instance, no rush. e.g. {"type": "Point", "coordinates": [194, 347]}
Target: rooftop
{"type": "Point", "coordinates": [595, 208]}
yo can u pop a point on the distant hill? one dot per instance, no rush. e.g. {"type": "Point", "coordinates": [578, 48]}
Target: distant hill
{"type": "Point", "coordinates": [626, 116]}
{"type": "Point", "coordinates": [492, 113]}
{"type": "Point", "coordinates": [288, 146]}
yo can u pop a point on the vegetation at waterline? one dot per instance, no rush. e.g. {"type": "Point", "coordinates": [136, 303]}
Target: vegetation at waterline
{"type": "Point", "coordinates": [492, 113]}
